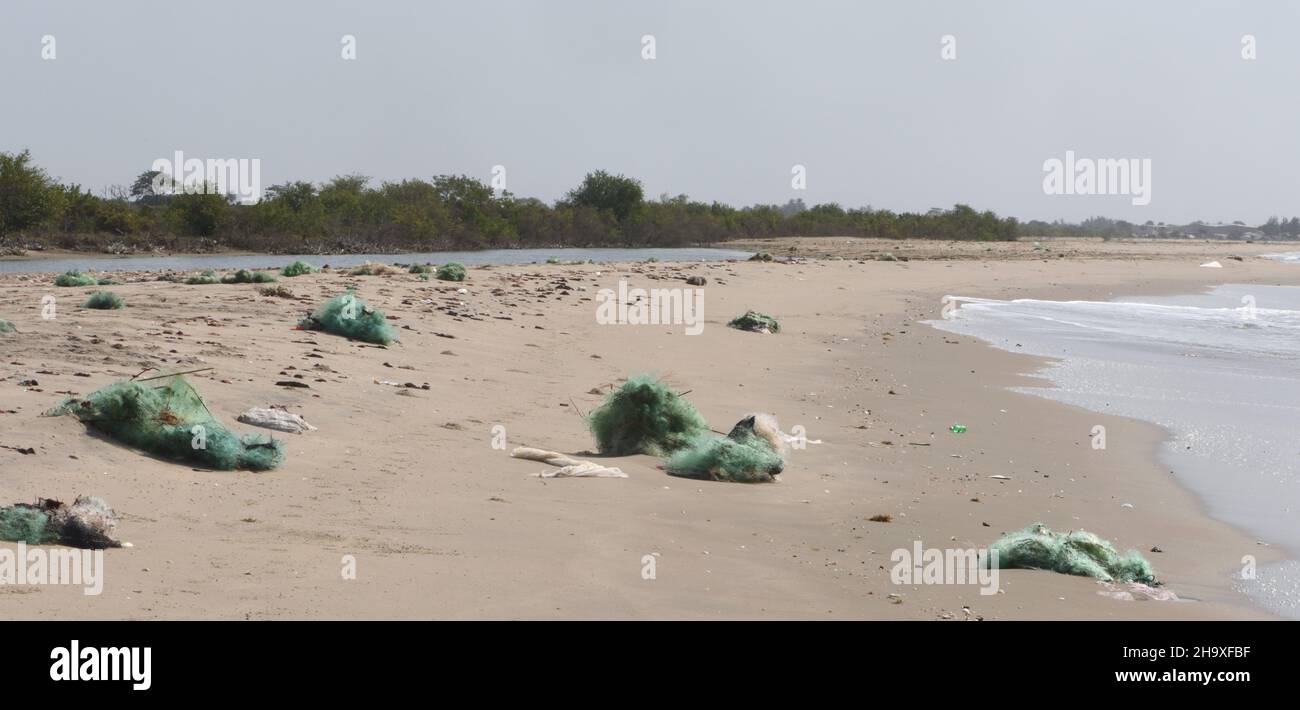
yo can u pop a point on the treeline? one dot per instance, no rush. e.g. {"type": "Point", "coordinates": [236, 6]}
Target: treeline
{"type": "Point", "coordinates": [349, 214]}
{"type": "Point", "coordinates": [1106, 228]}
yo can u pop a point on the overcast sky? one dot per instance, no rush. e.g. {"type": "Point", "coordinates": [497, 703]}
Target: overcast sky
{"type": "Point", "coordinates": [737, 94]}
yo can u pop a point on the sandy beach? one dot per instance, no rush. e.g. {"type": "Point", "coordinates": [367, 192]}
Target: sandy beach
{"type": "Point", "coordinates": [441, 524]}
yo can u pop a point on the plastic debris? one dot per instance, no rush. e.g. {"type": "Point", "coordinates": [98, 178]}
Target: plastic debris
{"type": "Point", "coordinates": [277, 419]}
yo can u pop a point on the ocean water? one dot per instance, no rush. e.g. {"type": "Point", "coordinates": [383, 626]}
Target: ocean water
{"type": "Point", "coordinates": [1292, 257]}
{"type": "Point", "coordinates": [1219, 371]}
{"type": "Point", "coordinates": [469, 258]}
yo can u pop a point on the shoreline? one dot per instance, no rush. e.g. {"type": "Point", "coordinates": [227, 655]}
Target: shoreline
{"type": "Point", "coordinates": [804, 247]}
{"type": "Point", "coordinates": [799, 549]}
{"type": "Point", "coordinates": [1158, 436]}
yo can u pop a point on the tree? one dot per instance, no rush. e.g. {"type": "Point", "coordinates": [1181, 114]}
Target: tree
{"type": "Point", "coordinates": [601, 191]}
{"type": "Point", "coordinates": [295, 196]}
{"type": "Point", "coordinates": [202, 213]}
{"type": "Point", "coordinates": [28, 196]}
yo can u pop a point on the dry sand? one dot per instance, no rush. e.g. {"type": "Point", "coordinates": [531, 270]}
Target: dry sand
{"type": "Point", "coordinates": [442, 525]}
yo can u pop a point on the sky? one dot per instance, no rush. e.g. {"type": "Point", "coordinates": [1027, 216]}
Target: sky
{"type": "Point", "coordinates": [738, 93]}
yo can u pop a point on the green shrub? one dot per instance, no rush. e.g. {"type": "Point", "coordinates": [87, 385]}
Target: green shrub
{"type": "Point", "coordinates": [104, 301]}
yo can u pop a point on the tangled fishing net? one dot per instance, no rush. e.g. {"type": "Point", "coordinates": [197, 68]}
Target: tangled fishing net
{"type": "Point", "coordinates": [755, 322]}
{"type": "Point", "coordinates": [350, 317]}
{"type": "Point", "coordinates": [644, 416]}
{"type": "Point", "coordinates": [88, 522]}
{"type": "Point", "coordinates": [168, 418]}
{"type": "Point", "coordinates": [751, 453]}
{"type": "Point", "coordinates": [75, 278]}
{"type": "Point", "coordinates": [104, 301]}
{"type": "Point", "coordinates": [207, 278]}
{"type": "Point", "coordinates": [244, 276]}
{"type": "Point", "coordinates": [297, 268]}
{"type": "Point", "coordinates": [451, 272]}
{"type": "Point", "coordinates": [1076, 552]}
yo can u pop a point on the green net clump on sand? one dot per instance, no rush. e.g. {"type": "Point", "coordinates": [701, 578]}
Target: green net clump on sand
{"type": "Point", "coordinates": [75, 278]}
{"type": "Point", "coordinates": [451, 272]}
{"type": "Point", "coordinates": [206, 278]}
{"type": "Point", "coordinates": [168, 418]}
{"type": "Point", "coordinates": [1076, 552]}
{"type": "Point", "coordinates": [7, 327]}
{"type": "Point", "coordinates": [644, 416]}
{"type": "Point", "coordinates": [724, 459]}
{"type": "Point", "coordinates": [297, 268]}
{"type": "Point", "coordinates": [244, 276]}
{"type": "Point", "coordinates": [23, 524]}
{"type": "Point", "coordinates": [420, 269]}
{"type": "Point", "coordinates": [350, 317]}
{"type": "Point", "coordinates": [104, 301]}
{"type": "Point", "coordinates": [755, 322]}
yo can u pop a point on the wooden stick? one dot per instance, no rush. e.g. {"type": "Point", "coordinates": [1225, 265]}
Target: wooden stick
{"type": "Point", "coordinates": [174, 374]}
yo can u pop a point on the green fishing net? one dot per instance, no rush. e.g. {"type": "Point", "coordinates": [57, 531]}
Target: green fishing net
{"type": "Point", "coordinates": [244, 276]}
{"type": "Point", "coordinates": [21, 523]}
{"type": "Point", "coordinates": [755, 322]}
{"type": "Point", "coordinates": [297, 268]}
{"type": "Point", "coordinates": [104, 301]}
{"type": "Point", "coordinates": [206, 278]}
{"type": "Point", "coordinates": [745, 459]}
{"type": "Point", "coordinates": [644, 416]}
{"type": "Point", "coordinates": [168, 418]}
{"type": "Point", "coordinates": [75, 278]}
{"type": "Point", "coordinates": [350, 317]}
{"type": "Point", "coordinates": [451, 272]}
{"type": "Point", "coordinates": [1076, 552]}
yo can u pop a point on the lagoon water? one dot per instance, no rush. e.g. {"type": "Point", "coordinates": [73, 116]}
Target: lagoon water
{"type": "Point", "coordinates": [1219, 371]}
{"type": "Point", "coordinates": [262, 261]}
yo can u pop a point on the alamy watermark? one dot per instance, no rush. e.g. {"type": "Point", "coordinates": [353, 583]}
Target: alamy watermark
{"type": "Point", "coordinates": [53, 565]}
{"type": "Point", "coordinates": [237, 177]}
{"type": "Point", "coordinates": [933, 565]}
{"type": "Point", "coordinates": [1101, 176]}
{"type": "Point", "coordinates": [655, 306]}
